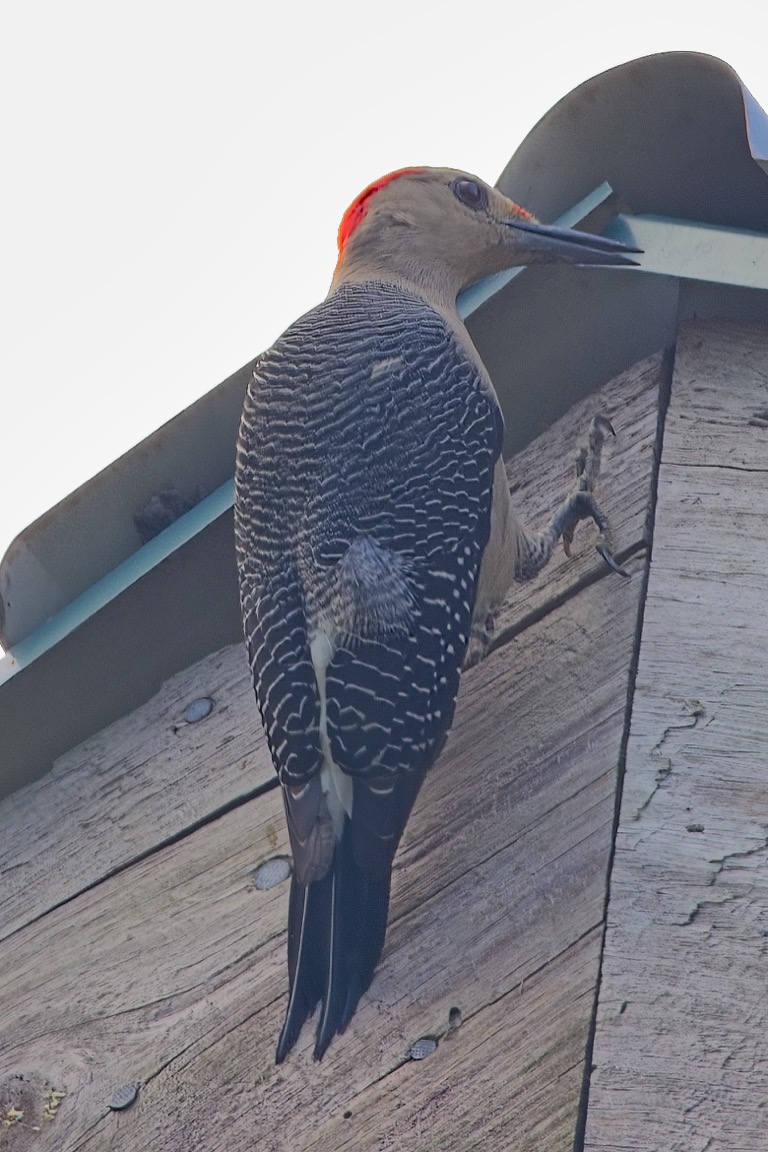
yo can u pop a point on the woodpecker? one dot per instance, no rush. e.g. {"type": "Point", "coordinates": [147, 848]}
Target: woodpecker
{"type": "Point", "coordinates": [375, 538]}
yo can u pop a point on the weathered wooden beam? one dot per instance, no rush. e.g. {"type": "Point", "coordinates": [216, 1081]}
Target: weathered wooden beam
{"type": "Point", "coordinates": [150, 776]}
{"type": "Point", "coordinates": [172, 972]}
{"type": "Point", "coordinates": [144, 780]}
{"type": "Point", "coordinates": [680, 1048]}
{"type": "Point", "coordinates": [141, 952]}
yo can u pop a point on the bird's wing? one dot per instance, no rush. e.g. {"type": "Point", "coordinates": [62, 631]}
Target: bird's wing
{"type": "Point", "coordinates": [363, 504]}
{"type": "Point", "coordinates": [409, 574]}
{"type": "Point", "coordinates": [274, 617]}
{"type": "Point", "coordinates": [363, 496]}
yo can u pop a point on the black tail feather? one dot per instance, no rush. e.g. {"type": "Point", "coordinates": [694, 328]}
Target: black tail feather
{"type": "Point", "coordinates": [306, 926]}
{"type": "Point", "coordinates": [336, 930]}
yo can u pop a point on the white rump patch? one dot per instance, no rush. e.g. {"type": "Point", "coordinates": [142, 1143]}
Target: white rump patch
{"type": "Point", "coordinates": [336, 785]}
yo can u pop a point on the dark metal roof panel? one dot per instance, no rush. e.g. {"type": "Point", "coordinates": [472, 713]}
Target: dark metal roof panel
{"type": "Point", "coordinates": [675, 134]}
{"type": "Point", "coordinates": [92, 531]}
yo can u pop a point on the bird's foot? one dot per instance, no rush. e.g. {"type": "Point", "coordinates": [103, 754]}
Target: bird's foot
{"type": "Point", "coordinates": [580, 504]}
{"type": "Point", "coordinates": [480, 637]}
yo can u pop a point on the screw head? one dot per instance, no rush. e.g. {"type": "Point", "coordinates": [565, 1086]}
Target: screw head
{"type": "Point", "coordinates": [123, 1097]}
{"type": "Point", "coordinates": [423, 1048]}
{"type": "Point", "coordinates": [271, 873]}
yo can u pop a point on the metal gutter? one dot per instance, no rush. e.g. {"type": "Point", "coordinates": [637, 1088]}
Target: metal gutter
{"type": "Point", "coordinates": [757, 128]}
{"type": "Point", "coordinates": [92, 531]}
{"type": "Point", "coordinates": [676, 134]}
{"type": "Point", "coordinates": [696, 251]}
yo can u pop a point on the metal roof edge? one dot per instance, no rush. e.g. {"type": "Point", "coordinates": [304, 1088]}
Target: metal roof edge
{"type": "Point", "coordinates": [111, 585]}
{"type": "Point", "coordinates": [675, 134]}
{"type": "Point", "coordinates": [596, 137]}
{"type": "Point", "coordinates": [757, 128]}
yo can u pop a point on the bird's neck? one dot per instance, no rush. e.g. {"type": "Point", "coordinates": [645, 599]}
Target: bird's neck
{"type": "Point", "coordinates": [434, 281]}
{"type": "Point", "coordinates": [440, 296]}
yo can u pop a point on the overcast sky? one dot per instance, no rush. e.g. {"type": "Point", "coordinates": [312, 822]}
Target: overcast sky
{"type": "Point", "coordinates": [173, 176]}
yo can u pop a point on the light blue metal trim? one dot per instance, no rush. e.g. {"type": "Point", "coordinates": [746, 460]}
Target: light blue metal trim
{"type": "Point", "coordinates": [695, 251]}
{"type": "Point", "coordinates": [110, 586]}
{"type": "Point", "coordinates": [757, 128]}
{"type": "Point", "coordinates": [471, 298]}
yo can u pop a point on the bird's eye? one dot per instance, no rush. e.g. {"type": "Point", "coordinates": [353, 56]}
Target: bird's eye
{"type": "Point", "coordinates": [470, 193]}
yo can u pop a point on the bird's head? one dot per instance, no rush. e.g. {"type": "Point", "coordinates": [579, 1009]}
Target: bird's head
{"type": "Point", "coordinates": [441, 230]}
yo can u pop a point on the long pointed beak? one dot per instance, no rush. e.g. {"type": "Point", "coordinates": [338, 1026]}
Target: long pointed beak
{"type": "Point", "coordinates": [547, 244]}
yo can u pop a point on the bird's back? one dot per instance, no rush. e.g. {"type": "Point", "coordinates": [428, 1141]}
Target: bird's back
{"type": "Point", "coordinates": [365, 466]}
{"type": "Point", "coordinates": [363, 505]}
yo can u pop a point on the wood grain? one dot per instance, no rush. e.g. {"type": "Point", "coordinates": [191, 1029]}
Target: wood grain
{"type": "Point", "coordinates": [137, 949]}
{"type": "Point", "coordinates": [171, 973]}
{"type": "Point", "coordinates": [680, 1051]}
{"type": "Point", "coordinates": [630, 402]}
{"type": "Point", "coordinates": [150, 777]}
{"type": "Point", "coordinates": [143, 780]}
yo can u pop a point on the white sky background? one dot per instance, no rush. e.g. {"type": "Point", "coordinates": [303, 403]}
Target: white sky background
{"type": "Point", "coordinates": [173, 176]}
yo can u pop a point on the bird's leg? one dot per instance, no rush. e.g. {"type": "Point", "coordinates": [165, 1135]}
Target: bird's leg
{"type": "Point", "coordinates": [533, 550]}
{"type": "Point", "coordinates": [536, 548]}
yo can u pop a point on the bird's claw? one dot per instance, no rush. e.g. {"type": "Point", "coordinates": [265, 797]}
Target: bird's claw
{"type": "Point", "coordinates": [601, 423]}
{"type": "Point", "coordinates": [579, 504]}
{"type": "Point", "coordinates": [612, 563]}
{"type": "Point", "coordinates": [480, 639]}
{"type": "Point", "coordinates": [583, 501]}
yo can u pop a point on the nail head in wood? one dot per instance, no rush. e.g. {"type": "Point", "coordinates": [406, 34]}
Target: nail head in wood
{"type": "Point", "coordinates": [271, 873]}
{"type": "Point", "coordinates": [454, 1019]}
{"type": "Point", "coordinates": [198, 710]}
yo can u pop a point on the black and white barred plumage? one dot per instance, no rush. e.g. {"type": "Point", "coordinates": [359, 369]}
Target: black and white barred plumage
{"type": "Point", "coordinates": [374, 532]}
{"type": "Point", "coordinates": [363, 497]}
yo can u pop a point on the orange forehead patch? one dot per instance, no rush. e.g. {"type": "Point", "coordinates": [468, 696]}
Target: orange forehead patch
{"type": "Point", "coordinates": [521, 213]}
{"type": "Point", "coordinates": [358, 208]}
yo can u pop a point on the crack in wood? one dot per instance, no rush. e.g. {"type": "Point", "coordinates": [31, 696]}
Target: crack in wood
{"type": "Point", "coordinates": [695, 465]}
{"type": "Point", "coordinates": [722, 861]}
{"type": "Point", "coordinates": [695, 993]}
{"type": "Point", "coordinates": [160, 846]}
{"type": "Point", "coordinates": [695, 712]}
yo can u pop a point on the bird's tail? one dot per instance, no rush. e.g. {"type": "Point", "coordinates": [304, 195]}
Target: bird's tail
{"type": "Point", "coordinates": [336, 929]}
